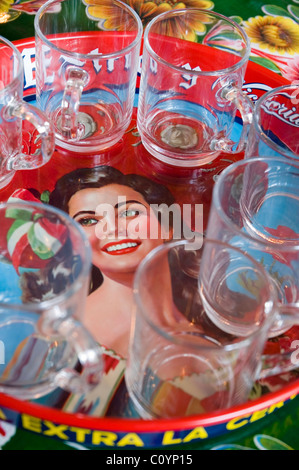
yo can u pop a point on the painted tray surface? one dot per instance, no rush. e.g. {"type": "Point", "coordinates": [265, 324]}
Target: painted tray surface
{"type": "Point", "coordinates": [79, 420]}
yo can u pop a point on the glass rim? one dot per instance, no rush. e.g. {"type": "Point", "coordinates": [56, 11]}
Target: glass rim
{"type": "Point", "coordinates": [242, 341]}
{"type": "Point", "coordinates": [78, 55]}
{"type": "Point", "coordinates": [257, 121]}
{"type": "Point", "coordinates": [18, 74]}
{"type": "Point", "coordinates": [198, 73]}
{"type": "Point", "coordinates": [222, 213]}
{"type": "Point", "coordinates": [85, 269]}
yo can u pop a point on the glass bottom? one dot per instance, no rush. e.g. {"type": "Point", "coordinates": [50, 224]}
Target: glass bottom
{"type": "Point", "coordinates": [178, 140]}
{"type": "Point", "coordinates": [97, 129]}
{"type": "Point", "coordinates": [185, 162]}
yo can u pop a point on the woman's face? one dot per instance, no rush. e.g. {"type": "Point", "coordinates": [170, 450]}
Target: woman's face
{"type": "Point", "coordinates": [121, 226]}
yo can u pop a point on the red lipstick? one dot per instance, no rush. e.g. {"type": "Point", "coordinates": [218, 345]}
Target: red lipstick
{"type": "Point", "coordinates": [121, 247]}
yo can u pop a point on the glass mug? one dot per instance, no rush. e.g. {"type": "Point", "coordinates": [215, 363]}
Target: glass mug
{"type": "Point", "coordinates": [191, 86]}
{"type": "Point", "coordinates": [255, 207]}
{"type": "Point", "coordinates": [275, 126]}
{"type": "Point", "coordinates": [179, 362]}
{"type": "Point", "coordinates": [86, 70]}
{"type": "Point", "coordinates": [45, 262]}
{"type": "Point", "coordinates": [13, 111]}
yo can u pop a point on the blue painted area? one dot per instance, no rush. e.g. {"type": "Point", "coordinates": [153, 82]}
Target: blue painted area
{"type": "Point", "coordinates": [9, 283]}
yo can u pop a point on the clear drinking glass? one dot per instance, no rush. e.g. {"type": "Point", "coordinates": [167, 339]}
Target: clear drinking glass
{"type": "Point", "coordinates": [87, 55]}
{"type": "Point", "coordinates": [193, 66]}
{"type": "Point", "coordinates": [179, 362]}
{"type": "Point", "coordinates": [255, 206]}
{"type": "Point", "coordinates": [45, 262]}
{"type": "Point", "coordinates": [275, 126]}
{"type": "Point", "coordinates": [13, 111]}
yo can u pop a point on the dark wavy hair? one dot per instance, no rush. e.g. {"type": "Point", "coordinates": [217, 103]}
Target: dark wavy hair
{"type": "Point", "coordinates": [99, 176]}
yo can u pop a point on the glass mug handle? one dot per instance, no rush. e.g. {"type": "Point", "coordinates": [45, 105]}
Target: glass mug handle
{"type": "Point", "coordinates": [18, 108]}
{"type": "Point", "coordinates": [230, 92]}
{"type": "Point", "coordinates": [88, 351]}
{"type": "Point", "coordinates": [77, 79]}
{"type": "Point", "coordinates": [284, 318]}
{"type": "Point", "coordinates": [272, 364]}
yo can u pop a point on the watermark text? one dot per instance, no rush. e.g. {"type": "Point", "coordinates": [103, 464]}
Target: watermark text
{"type": "Point", "coordinates": [136, 220]}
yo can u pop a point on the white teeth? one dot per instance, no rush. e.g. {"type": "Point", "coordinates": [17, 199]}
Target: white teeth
{"type": "Point", "coordinates": [121, 246]}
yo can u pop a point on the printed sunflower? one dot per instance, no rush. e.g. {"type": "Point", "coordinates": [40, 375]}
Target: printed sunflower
{"type": "Point", "coordinates": [107, 14]}
{"type": "Point", "coordinates": [276, 34]}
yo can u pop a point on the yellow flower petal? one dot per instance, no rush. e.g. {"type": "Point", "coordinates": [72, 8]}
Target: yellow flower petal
{"type": "Point", "coordinates": [205, 5]}
{"type": "Point", "coordinates": [5, 5]}
{"type": "Point", "coordinates": [278, 34]}
{"type": "Point", "coordinates": [146, 9]}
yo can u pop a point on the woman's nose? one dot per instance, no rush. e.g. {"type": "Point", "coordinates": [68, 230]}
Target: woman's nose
{"type": "Point", "coordinates": [110, 226]}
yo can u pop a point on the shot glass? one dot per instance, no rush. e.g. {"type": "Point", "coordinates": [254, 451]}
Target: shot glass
{"type": "Point", "coordinates": [45, 262]}
{"type": "Point", "coordinates": [275, 125]}
{"type": "Point", "coordinates": [179, 362]}
{"type": "Point", "coordinates": [255, 206]}
{"type": "Point", "coordinates": [193, 65]}
{"type": "Point", "coordinates": [13, 111]}
{"type": "Point", "coordinates": [87, 56]}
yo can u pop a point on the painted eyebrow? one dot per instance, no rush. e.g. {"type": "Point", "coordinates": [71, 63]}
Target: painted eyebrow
{"type": "Point", "coordinates": [123, 203]}
{"type": "Point", "coordinates": [84, 212]}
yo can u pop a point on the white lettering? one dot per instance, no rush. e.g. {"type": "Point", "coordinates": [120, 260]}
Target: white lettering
{"type": "Point", "coordinates": [282, 112]}
{"type": "Point", "coordinates": [96, 62]}
{"type": "Point", "coordinates": [118, 460]}
{"type": "Point", "coordinates": [128, 61]}
{"type": "Point", "coordinates": [110, 64]}
{"type": "Point", "coordinates": [190, 80]}
{"type": "Point", "coordinates": [249, 87]}
{"type": "Point", "coordinates": [29, 67]}
{"type": "Point", "coordinates": [153, 65]}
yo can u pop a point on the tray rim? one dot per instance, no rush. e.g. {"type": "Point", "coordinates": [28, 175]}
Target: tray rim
{"type": "Point", "coordinates": [156, 425]}
{"type": "Point", "coordinates": [123, 424]}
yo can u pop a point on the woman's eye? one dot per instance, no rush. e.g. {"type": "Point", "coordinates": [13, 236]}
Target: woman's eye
{"type": "Point", "coordinates": [86, 221]}
{"type": "Point", "coordinates": [130, 213]}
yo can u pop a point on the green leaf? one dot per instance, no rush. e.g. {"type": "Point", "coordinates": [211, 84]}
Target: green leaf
{"type": "Point", "coordinates": [266, 63]}
{"type": "Point", "coordinates": [38, 247]}
{"type": "Point", "coordinates": [229, 35]}
{"type": "Point", "coordinates": [264, 442]}
{"type": "Point", "coordinates": [274, 10]}
{"type": "Point", "coordinates": [237, 19]}
{"type": "Point", "coordinates": [45, 197]}
{"type": "Point", "coordinates": [294, 10]}
{"type": "Point", "coordinates": [22, 214]}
